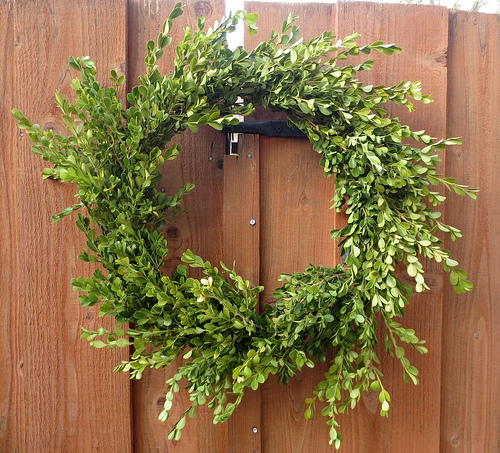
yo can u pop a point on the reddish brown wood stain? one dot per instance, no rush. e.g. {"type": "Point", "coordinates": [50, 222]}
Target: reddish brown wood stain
{"type": "Point", "coordinates": [470, 400]}
{"type": "Point", "coordinates": [200, 228]}
{"type": "Point", "coordinates": [294, 185]}
{"type": "Point", "coordinates": [59, 395]}
{"type": "Point", "coordinates": [242, 226]}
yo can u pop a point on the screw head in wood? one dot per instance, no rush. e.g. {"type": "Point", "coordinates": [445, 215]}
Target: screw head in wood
{"type": "Point", "coordinates": [252, 222]}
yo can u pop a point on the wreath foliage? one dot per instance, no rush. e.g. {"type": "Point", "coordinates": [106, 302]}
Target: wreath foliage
{"type": "Point", "coordinates": [384, 173]}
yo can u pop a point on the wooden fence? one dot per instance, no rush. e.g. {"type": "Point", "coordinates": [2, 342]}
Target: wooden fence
{"type": "Point", "coordinates": [58, 395]}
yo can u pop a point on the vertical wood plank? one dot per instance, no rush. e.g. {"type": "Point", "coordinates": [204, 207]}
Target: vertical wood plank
{"type": "Point", "coordinates": [295, 226]}
{"type": "Point", "coordinates": [295, 223]}
{"type": "Point", "coordinates": [422, 32]}
{"type": "Point", "coordinates": [199, 228]}
{"type": "Point", "coordinates": [471, 370]}
{"type": "Point", "coordinates": [8, 229]}
{"type": "Point", "coordinates": [414, 421]}
{"type": "Point", "coordinates": [62, 395]}
{"type": "Point", "coordinates": [241, 244]}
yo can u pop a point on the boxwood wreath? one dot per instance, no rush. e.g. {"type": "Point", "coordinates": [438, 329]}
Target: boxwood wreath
{"type": "Point", "coordinates": [384, 174]}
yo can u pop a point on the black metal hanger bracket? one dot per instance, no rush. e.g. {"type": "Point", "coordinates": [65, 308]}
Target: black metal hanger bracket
{"type": "Point", "coordinates": [273, 128]}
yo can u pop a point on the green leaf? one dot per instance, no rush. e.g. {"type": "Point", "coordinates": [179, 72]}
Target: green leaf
{"type": "Point", "coordinates": [304, 106]}
{"type": "Point", "coordinates": [164, 40]}
{"type": "Point", "coordinates": [250, 20]}
{"type": "Point", "coordinates": [98, 344]}
{"type": "Point", "coordinates": [176, 12]}
{"type": "Point", "coordinates": [122, 342]}
{"type": "Point", "coordinates": [412, 270]}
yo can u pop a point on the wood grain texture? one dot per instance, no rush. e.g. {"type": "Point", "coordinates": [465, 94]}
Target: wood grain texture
{"type": "Point", "coordinates": [199, 229]}
{"type": "Point", "coordinates": [242, 245]}
{"type": "Point", "coordinates": [8, 229]}
{"type": "Point", "coordinates": [414, 421]}
{"type": "Point", "coordinates": [471, 369]}
{"type": "Point", "coordinates": [61, 395]}
{"type": "Point", "coordinates": [295, 222]}
{"type": "Point", "coordinates": [422, 32]}
{"type": "Point", "coordinates": [295, 227]}
{"type": "Point", "coordinates": [58, 395]}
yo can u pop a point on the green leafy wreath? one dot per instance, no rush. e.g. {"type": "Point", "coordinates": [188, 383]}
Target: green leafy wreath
{"type": "Point", "coordinates": [382, 182]}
